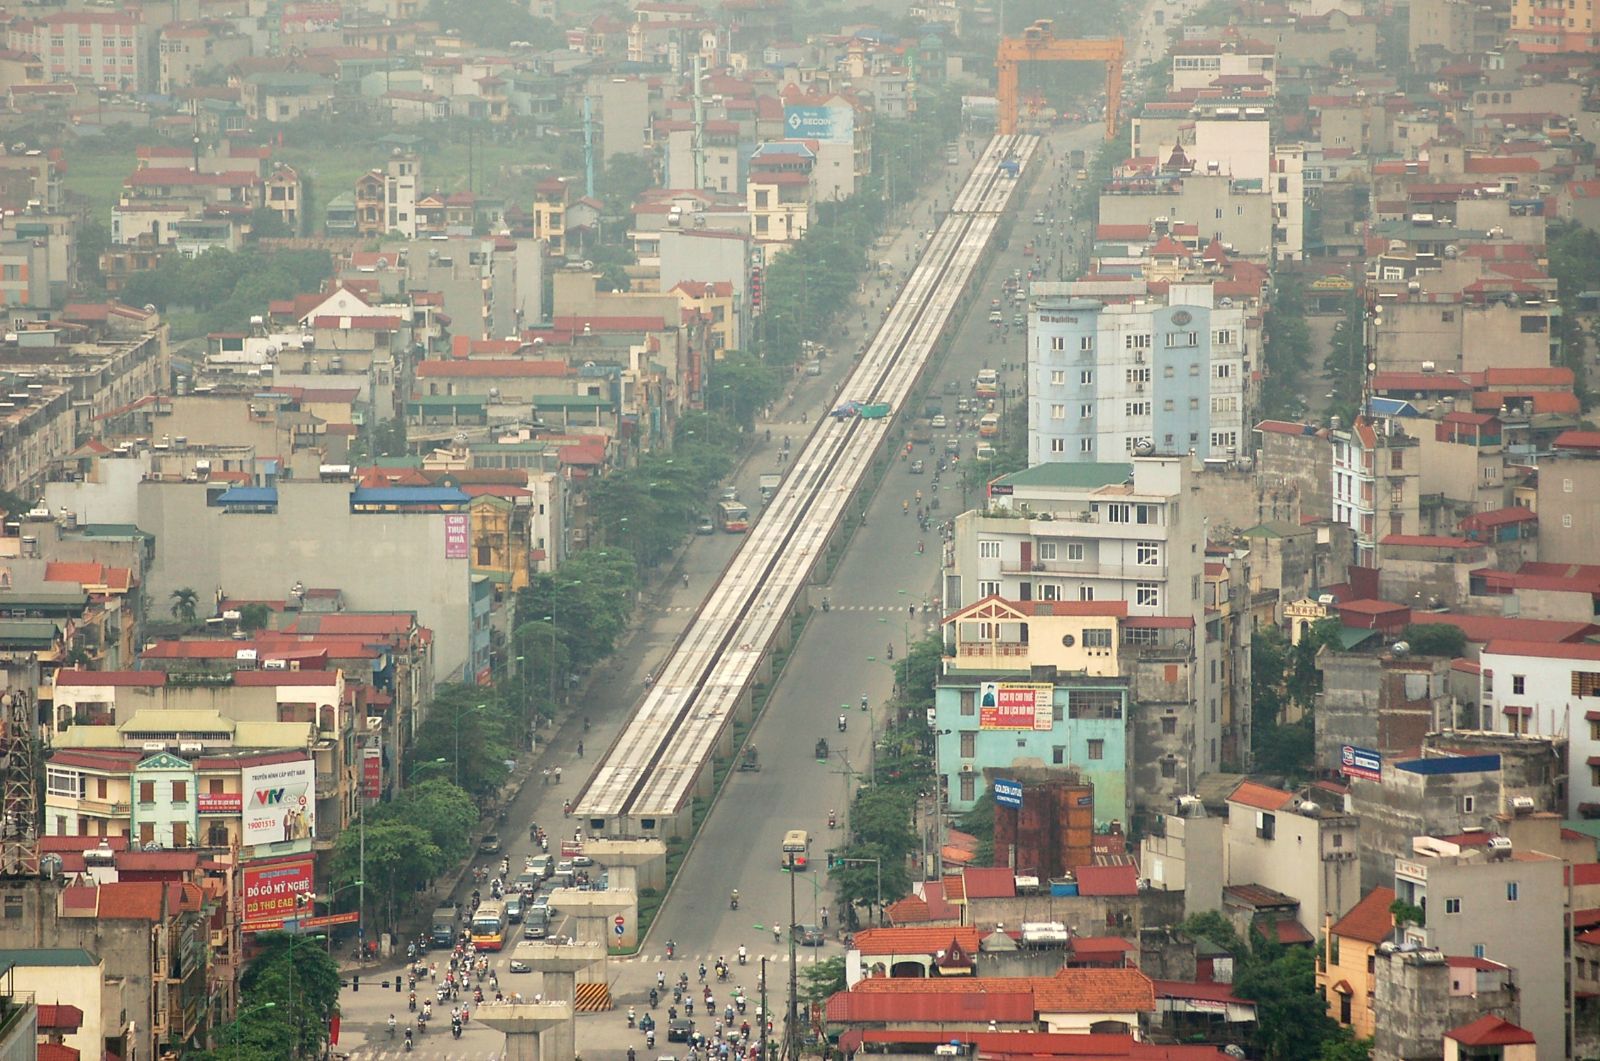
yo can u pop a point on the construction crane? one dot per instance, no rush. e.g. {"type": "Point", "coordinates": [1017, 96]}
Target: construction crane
{"type": "Point", "coordinates": [20, 771]}
{"type": "Point", "coordinates": [1039, 44]}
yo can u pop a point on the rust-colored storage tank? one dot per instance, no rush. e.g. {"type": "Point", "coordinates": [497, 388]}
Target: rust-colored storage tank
{"type": "Point", "coordinates": [1053, 831]}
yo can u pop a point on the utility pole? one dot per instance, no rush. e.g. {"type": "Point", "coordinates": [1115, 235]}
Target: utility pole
{"type": "Point", "coordinates": [791, 1030]}
{"type": "Point", "coordinates": [765, 1014]}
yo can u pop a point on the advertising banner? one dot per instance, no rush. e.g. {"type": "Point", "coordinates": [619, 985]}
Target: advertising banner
{"type": "Point", "coordinates": [1361, 762]}
{"type": "Point", "coordinates": [372, 773]}
{"type": "Point", "coordinates": [1015, 705]}
{"type": "Point", "coordinates": [1007, 793]}
{"type": "Point", "coordinates": [828, 125]}
{"type": "Point", "coordinates": [271, 891]}
{"type": "Point", "coordinates": [280, 802]}
{"type": "Point", "coordinates": [220, 802]}
{"type": "Point", "coordinates": [457, 536]}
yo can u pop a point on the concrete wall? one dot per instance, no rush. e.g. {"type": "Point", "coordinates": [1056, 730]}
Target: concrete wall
{"type": "Point", "coordinates": [1295, 474]}
{"type": "Point", "coordinates": [1246, 220]}
{"type": "Point", "coordinates": [1186, 856]}
{"type": "Point", "coordinates": [1312, 858]}
{"type": "Point", "coordinates": [381, 561]}
{"type": "Point", "coordinates": [1404, 805]}
{"type": "Point", "coordinates": [1569, 509]}
{"type": "Point", "coordinates": [1366, 701]}
{"type": "Point", "coordinates": [1089, 915]}
{"type": "Point", "coordinates": [1413, 1006]}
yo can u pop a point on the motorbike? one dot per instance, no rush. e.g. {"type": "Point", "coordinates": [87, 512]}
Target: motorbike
{"type": "Point", "coordinates": [843, 722]}
{"type": "Point", "coordinates": [833, 820]}
{"type": "Point", "coordinates": [455, 1028]}
{"type": "Point", "coordinates": [733, 901]}
{"type": "Point", "coordinates": [825, 605]}
{"type": "Point", "coordinates": [672, 949]}
{"type": "Point", "coordinates": [744, 956]}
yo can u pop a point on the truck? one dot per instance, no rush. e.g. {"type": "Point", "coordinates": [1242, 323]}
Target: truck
{"type": "Point", "coordinates": [442, 927]}
{"type": "Point", "coordinates": [769, 485]}
{"type": "Point", "coordinates": [1077, 157]}
{"type": "Point", "coordinates": [874, 411]}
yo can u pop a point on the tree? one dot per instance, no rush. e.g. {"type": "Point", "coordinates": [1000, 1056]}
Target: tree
{"type": "Point", "coordinates": [400, 859]}
{"type": "Point", "coordinates": [739, 386]}
{"type": "Point", "coordinates": [184, 602]}
{"type": "Point", "coordinates": [253, 617]}
{"type": "Point", "coordinates": [489, 23]}
{"type": "Point", "coordinates": [1286, 345]}
{"type": "Point", "coordinates": [822, 981]}
{"type": "Point", "coordinates": [1436, 639]}
{"type": "Point", "coordinates": [1405, 913]}
{"type": "Point", "coordinates": [302, 980]}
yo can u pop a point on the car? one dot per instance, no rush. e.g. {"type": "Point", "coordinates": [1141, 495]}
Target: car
{"type": "Point", "coordinates": [680, 1030]}
{"type": "Point", "coordinates": [543, 865]}
{"type": "Point", "coordinates": [952, 446]}
{"type": "Point", "coordinates": [916, 466]}
{"type": "Point", "coordinates": [1019, 320]}
{"type": "Point", "coordinates": [730, 493]}
{"type": "Point", "coordinates": [938, 422]}
{"type": "Point", "coordinates": [490, 844]}
{"type": "Point", "coordinates": [581, 861]}
{"type": "Point", "coordinates": [996, 317]}
{"type": "Point", "coordinates": [1038, 217]}
{"type": "Point", "coordinates": [994, 303]}
{"type": "Point", "coordinates": [1081, 175]}
{"type": "Point", "coordinates": [963, 404]}
{"type": "Point", "coordinates": [705, 526]}
{"type": "Point", "coordinates": [809, 936]}
{"type": "Point", "coordinates": [528, 882]}
{"type": "Point", "coordinates": [1019, 295]}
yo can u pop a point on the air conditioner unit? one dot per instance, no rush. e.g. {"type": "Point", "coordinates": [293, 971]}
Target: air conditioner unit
{"type": "Point", "coordinates": [1138, 388]}
{"type": "Point", "coordinates": [1138, 357]}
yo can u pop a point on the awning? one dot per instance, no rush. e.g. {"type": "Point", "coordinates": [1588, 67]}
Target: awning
{"type": "Point", "coordinates": [1344, 988]}
{"type": "Point", "coordinates": [1523, 711]}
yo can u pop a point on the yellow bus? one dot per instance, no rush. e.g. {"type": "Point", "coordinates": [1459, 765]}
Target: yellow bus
{"type": "Point", "coordinates": [989, 426]}
{"type": "Point", "coordinates": [488, 925]}
{"type": "Point", "coordinates": [988, 383]}
{"type": "Point", "coordinates": [796, 846]}
{"type": "Point", "coordinates": [733, 517]}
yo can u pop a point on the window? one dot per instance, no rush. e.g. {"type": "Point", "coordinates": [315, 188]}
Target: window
{"type": "Point", "coordinates": [1085, 445]}
{"type": "Point", "coordinates": [1058, 412]}
{"type": "Point", "coordinates": [14, 907]}
{"type": "Point", "coordinates": [1468, 804]}
{"type": "Point", "coordinates": [1224, 371]}
{"type": "Point", "coordinates": [1169, 768]}
{"type": "Point", "coordinates": [1147, 594]}
{"type": "Point", "coordinates": [64, 783]}
{"type": "Point", "coordinates": [180, 834]}
{"type": "Point", "coordinates": [147, 792]}
{"type": "Point", "coordinates": [1058, 342]}
{"type": "Point", "coordinates": [1075, 551]}
{"type": "Point", "coordinates": [1176, 340]}
{"type": "Point", "coordinates": [1086, 593]}
{"type": "Point", "coordinates": [969, 743]}
{"type": "Point", "coordinates": [1086, 377]}
{"type": "Point", "coordinates": [969, 702]}
{"type": "Point", "coordinates": [1519, 684]}
{"type": "Point", "coordinates": [1168, 405]}
{"type": "Point", "coordinates": [147, 833]}
{"type": "Point", "coordinates": [988, 588]}
{"type": "Point", "coordinates": [1139, 375]}
{"type": "Point", "coordinates": [1532, 324]}
{"type": "Point", "coordinates": [1085, 342]}
{"type": "Point", "coordinates": [1169, 724]}
{"type": "Point", "coordinates": [1594, 729]}
{"type": "Point", "coordinates": [1049, 591]}
{"type": "Point", "coordinates": [1097, 638]}
{"type": "Point", "coordinates": [1047, 550]}
{"type": "Point", "coordinates": [1058, 377]}
{"type": "Point", "coordinates": [1058, 445]}
{"type": "Point", "coordinates": [1452, 906]}
{"type": "Point", "coordinates": [180, 792]}
{"type": "Point", "coordinates": [1097, 749]}
{"type": "Point", "coordinates": [1136, 342]}
{"type": "Point", "coordinates": [1511, 891]}
{"type": "Point", "coordinates": [1148, 553]}
{"type": "Point", "coordinates": [1058, 754]}
{"type": "Point", "coordinates": [1085, 410]}
{"type": "Point", "coordinates": [1133, 409]}
{"type": "Point", "coordinates": [1479, 951]}
{"type": "Point", "coordinates": [969, 786]}
{"type": "Point", "coordinates": [1223, 337]}
{"type": "Point", "coordinates": [1266, 825]}
{"type": "Point", "coordinates": [1585, 683]}
{"type": "Point", "coordinates": [989, 549]}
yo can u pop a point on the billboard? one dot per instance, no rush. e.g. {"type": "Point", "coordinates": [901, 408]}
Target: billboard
{"type": "Point", "coordinates": [372, 773]}
{"type": "Point", "coordinates": [1361, 762]}
{"type": "Point", "coordinates": [280, 802]}
{"type": "Point", "coordinates": [457, 536]}
{"type": "Point", "coordinates": [272, 890]}
{"type": "Point", "coordinates": [1015, 705]}
{"type": "Point", "coordinates": [219, 802]}
{"type": "Point", "coordinates": [828, 125]}
{"type": "Point", "coordinates": [1007, 793]}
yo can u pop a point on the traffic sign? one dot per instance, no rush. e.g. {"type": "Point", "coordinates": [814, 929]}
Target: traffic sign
{"type": "Point", "coordinates": [617, 929]}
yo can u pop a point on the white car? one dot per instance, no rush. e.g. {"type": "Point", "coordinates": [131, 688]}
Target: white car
{"type": "Point", "coordinates": [938, 421]}
{"type": "Point", "coordinates": [995, 317]}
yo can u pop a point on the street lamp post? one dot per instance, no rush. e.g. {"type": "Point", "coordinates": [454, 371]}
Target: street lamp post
{"type": "Point", "coordinates": [240, 1016]}
{"type": "Point", "coordinates": [791, 1031]}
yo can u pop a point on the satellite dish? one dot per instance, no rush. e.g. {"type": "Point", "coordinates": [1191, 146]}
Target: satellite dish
{"type": "Point", "coordinates": [153, 845]}
{"type": "Point", "coordinates": [149, 307]}
{"type": "Point", "coordinates": [50, 865]}
{"type": "Point", "coordinates": [383, 263]}
{"type": "Point", "coordinates": [1181, 644]}
{"type": "Point", "coordinates": [1400, 648]}
{"type": "Point", "coordinates": [1144, 447]}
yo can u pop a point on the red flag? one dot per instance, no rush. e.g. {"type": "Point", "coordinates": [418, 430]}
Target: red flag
{"type": "Point", "coordinates": [333, 1030]}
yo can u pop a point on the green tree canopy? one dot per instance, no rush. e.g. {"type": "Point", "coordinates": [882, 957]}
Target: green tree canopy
{"type": "Point", "coordinates": [1436, 639]}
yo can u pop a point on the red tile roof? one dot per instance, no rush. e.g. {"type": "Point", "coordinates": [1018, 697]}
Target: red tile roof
{"type": "Point", "coordinates": [285, 677]}
{"type": "Point", "coordinates": [989, 882]}
{"type": "Point", "coordinates": [1483, 628]}
{"type": "Point", "coordinates": [1108, 880]}
{"type": "Point", "coordinates": [1369, 920]}
{"type": "Point", "coordinates": [1578, 440]}
{"type": "Point", "coordinates": [130, 901]}
{"type": "Point", "coordinates": [1094, 991]}
{"type": "Point", "coordinates": [60, 1017]}
{"type": "Point", "coordinates": [1507, 647]}
{"type": "Point", "coordinates": [933, 1002]}
{"type": "Point", "coordinates": [109, 677]}
{"type": "Point", "coordinates": [1489, 1030]}
{"type": "Point", "coordinates": [55, 1051]}
{"type": "Point", "coordinates": [920, 940]}
{"type": "Point", "coordinates": [1261, 797]}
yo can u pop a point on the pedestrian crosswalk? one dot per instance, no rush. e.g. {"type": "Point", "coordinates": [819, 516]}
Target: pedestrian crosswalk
{"type": "Point", "coordinates": [422, 1050]}
{"type": "Point", "coordinates": [681, 608]}
{"type": "Point", "coordinates": [690, 963]}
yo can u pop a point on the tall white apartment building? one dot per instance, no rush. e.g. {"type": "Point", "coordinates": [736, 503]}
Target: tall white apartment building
{"type": "Point", "coordinates": [1102, 378]}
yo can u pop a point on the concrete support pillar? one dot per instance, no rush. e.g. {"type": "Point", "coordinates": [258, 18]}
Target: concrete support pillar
{"type": "Point", "coordinates": [536, 1031]}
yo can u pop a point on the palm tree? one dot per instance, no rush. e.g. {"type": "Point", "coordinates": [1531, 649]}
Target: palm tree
{"type": "Point", "coordinates": [183, 604]}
